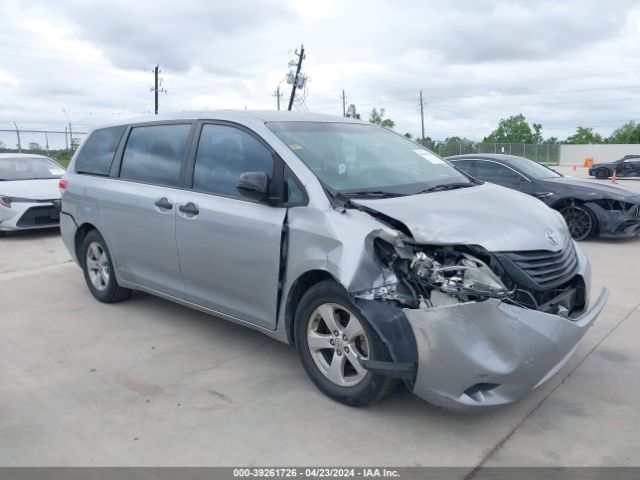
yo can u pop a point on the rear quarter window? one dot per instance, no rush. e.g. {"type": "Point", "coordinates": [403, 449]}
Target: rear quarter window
{"type": "Point", "coordinates": [96, 155]}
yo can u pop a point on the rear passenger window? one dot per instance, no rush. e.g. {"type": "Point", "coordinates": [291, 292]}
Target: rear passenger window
{"type": "Point", "coordinates": [96, 155]}
{"type": "Point", "coordinates": [155, 154]}
{"type": "Point", "coordinates": [224, 153]}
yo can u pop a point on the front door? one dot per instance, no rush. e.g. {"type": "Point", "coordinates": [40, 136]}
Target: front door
{"type": "Point", "coordinates": [228, 245]}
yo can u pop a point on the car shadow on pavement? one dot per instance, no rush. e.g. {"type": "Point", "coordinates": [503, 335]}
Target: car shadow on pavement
{"type": "Point", "coordinates": [32, 234]}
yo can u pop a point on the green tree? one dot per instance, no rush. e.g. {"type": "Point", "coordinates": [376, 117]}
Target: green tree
{"type": "Point", "coordinates": [628, 133]}
{"type": "Point", "coordinates": [377, 117]}
{"type": "Point", "coordinates": [537, 132]}
{"type": "Point", "coordinates": [34, 146]}
{"type": "Point", "coordinates": [552, 140]}
{"type": "Point", "coordinates": [408, 135]}
{"type": "Point", "coordinates": [584, 135]}
{"type": "Point", "coordinates": [515, 129]}
{"type": "Point", "coordinates": [453, 146]}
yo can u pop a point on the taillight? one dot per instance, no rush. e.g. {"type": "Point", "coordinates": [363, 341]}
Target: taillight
{"type": "Point", "coordinates": [62, 185]}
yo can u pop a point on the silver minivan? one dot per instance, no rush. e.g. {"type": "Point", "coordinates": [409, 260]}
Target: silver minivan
{"type": "Point", "coordinates": [378, 260]}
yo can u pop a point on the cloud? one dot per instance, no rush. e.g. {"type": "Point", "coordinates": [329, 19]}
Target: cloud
{"type": "Point", "coordinates": [182, 35]}
{"type": "Point", "coordinates": [562, 64]}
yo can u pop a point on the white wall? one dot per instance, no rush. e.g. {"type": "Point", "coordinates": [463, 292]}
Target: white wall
{"type": "Point", "coordinates": [575, 154]}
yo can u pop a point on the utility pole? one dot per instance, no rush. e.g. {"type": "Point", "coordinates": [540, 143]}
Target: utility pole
{"type": "Point", "coordinates": [277, 94]}
{"type": "Point", "coordinates": [66, 139]}
{"type": "Point", "coordinates": [70, 130]}
{"type": "Point", "coordinates": [297, 77]}
{"type": "Point", "coordinates": [422, 114]}
{"type": "Point", "coordinates": [344, 104]}
{"type": "Point", "coordinates": [18, 135]}
{"type": "Point", "coordinates": [155, 88]}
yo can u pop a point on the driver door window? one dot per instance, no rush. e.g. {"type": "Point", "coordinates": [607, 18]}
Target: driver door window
{"type": "Point", "coordinates": [224, 153]}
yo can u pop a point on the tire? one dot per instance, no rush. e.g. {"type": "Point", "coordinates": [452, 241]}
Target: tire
{"type": "Point", "coordinates": [350, 383]}
{"type": "Point", "coordinates": [602, 173]}
{"type": "Point", "coordinates": [98, 269]}
{"type": "Point", "coordinates": [581, 221]}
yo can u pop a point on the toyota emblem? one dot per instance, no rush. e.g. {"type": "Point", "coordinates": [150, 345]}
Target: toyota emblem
{"type": "Point", "coordinates": [552, 237]}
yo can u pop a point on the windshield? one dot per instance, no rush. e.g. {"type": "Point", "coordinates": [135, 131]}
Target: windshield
{"type": "Point", "coordinates": [532, 169]}
{"type": "Point", "coordinates": [29, 168]}
{"type": "Point", "coordinates": [356, 159]}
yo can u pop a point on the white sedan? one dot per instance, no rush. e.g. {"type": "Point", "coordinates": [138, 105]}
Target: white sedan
{"type": "Point", "coordinates": [29, 193]}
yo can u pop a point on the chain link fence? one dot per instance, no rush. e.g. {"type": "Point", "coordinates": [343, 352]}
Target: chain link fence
{"type": "Point", "coordinates": [58, 144]}
{"type": "Point", "coordinates": [547, 153]}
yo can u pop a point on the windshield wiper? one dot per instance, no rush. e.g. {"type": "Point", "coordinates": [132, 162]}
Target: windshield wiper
{"type": "Point", "coordinates": [372, 193]}
{"type": "Point", "coordinates": [447, 186]}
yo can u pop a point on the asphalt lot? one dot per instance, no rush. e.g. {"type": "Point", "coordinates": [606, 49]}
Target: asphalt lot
{"type": "Point", "coordinates": [147, 382]}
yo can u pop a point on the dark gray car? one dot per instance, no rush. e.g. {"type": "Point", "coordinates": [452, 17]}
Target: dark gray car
{"type": "Point", "coordinates": [627, 166]}
{"type": "Point", "coordinates": [589, 208]}
{"type": "Point", "coordinates": [377, 259]}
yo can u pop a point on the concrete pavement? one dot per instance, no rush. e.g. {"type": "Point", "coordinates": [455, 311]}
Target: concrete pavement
{"type": "Point", "coordinates": [147, 382]}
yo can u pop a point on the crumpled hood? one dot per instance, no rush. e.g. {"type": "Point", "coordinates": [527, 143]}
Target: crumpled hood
{"type": "Point", "coordinates": [605, 189]}
{"type": "Point", "coordinates": [31, 189]}
{"type": "Point", "coordinates": [493, 217]}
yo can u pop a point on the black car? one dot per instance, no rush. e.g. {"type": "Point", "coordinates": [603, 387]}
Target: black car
{"type": "Point", "coordinates": [589, 208]}
{"type": "Point", "coordinates": [627, 166]}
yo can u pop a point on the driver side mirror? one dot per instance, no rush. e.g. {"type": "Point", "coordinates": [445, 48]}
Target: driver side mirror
{"type": "Point", "coordinates": [254, 185]}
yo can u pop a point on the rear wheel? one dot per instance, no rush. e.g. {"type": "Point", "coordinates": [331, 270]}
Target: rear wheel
{"type": "Point", "coordinates": [98, 270]}
{"type": "Point", "coordinates": [580, 220]}
{"type": "Point", "coordinates": [332, 336]}
{"type": "Point", "coordinates": [602, 173]}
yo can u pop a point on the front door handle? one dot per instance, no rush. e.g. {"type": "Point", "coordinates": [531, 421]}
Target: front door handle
{"type": "Point", "coordinates": [164, 203]}
{"type": "Point", "coordinates": [189, 208]}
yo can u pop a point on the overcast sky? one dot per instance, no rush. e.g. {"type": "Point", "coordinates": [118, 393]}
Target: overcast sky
{"type": "Point", "coordinates": [561, 64]}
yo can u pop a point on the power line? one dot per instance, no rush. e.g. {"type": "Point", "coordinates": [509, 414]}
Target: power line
{"type": "Point", "coordinates": [550, 92]}
{"type": "Point", "coordinates": [67, 60]}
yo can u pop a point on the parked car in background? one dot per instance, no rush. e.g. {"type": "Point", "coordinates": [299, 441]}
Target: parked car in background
{"type": "Point", "coordinates": [589, 208]}
{"type": "Point", "coordinates": [29, 194]}
{"type": "Point", "coordinates": [627, 166]}
{"type": "Point", "coordinates": [376, 258]}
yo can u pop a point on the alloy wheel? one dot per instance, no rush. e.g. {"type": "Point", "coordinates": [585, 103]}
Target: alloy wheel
{"type": "Point", "coordinates": [98, 266]}
{"type": "Point", "coordinates": [337, 340]}
{"type": "Point", "coordinates": [579, 221]}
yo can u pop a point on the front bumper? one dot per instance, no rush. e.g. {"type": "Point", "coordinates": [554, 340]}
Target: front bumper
{"type": "Point", "coordinates": [29, 215]}
{"type": "Point", "coordinates": [479, 355]}
{"type": "Point", "coordinates": [617, 223]}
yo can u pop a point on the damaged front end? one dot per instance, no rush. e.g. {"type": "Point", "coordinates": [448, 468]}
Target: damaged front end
{"type": "Point", "coordinates": [617, 218]}
{"type": "Point", "coordinates": [467, 328]}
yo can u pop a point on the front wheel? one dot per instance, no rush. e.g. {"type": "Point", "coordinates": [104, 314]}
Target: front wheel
{"type": "Point", "coordinates": [602, 173]}
{"type": "Point", "coordinates": [98, 270]}
{"type": "Point", "coordinates": [332, 337]}
{"type": "Point", "coordinates": [580, 220]}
